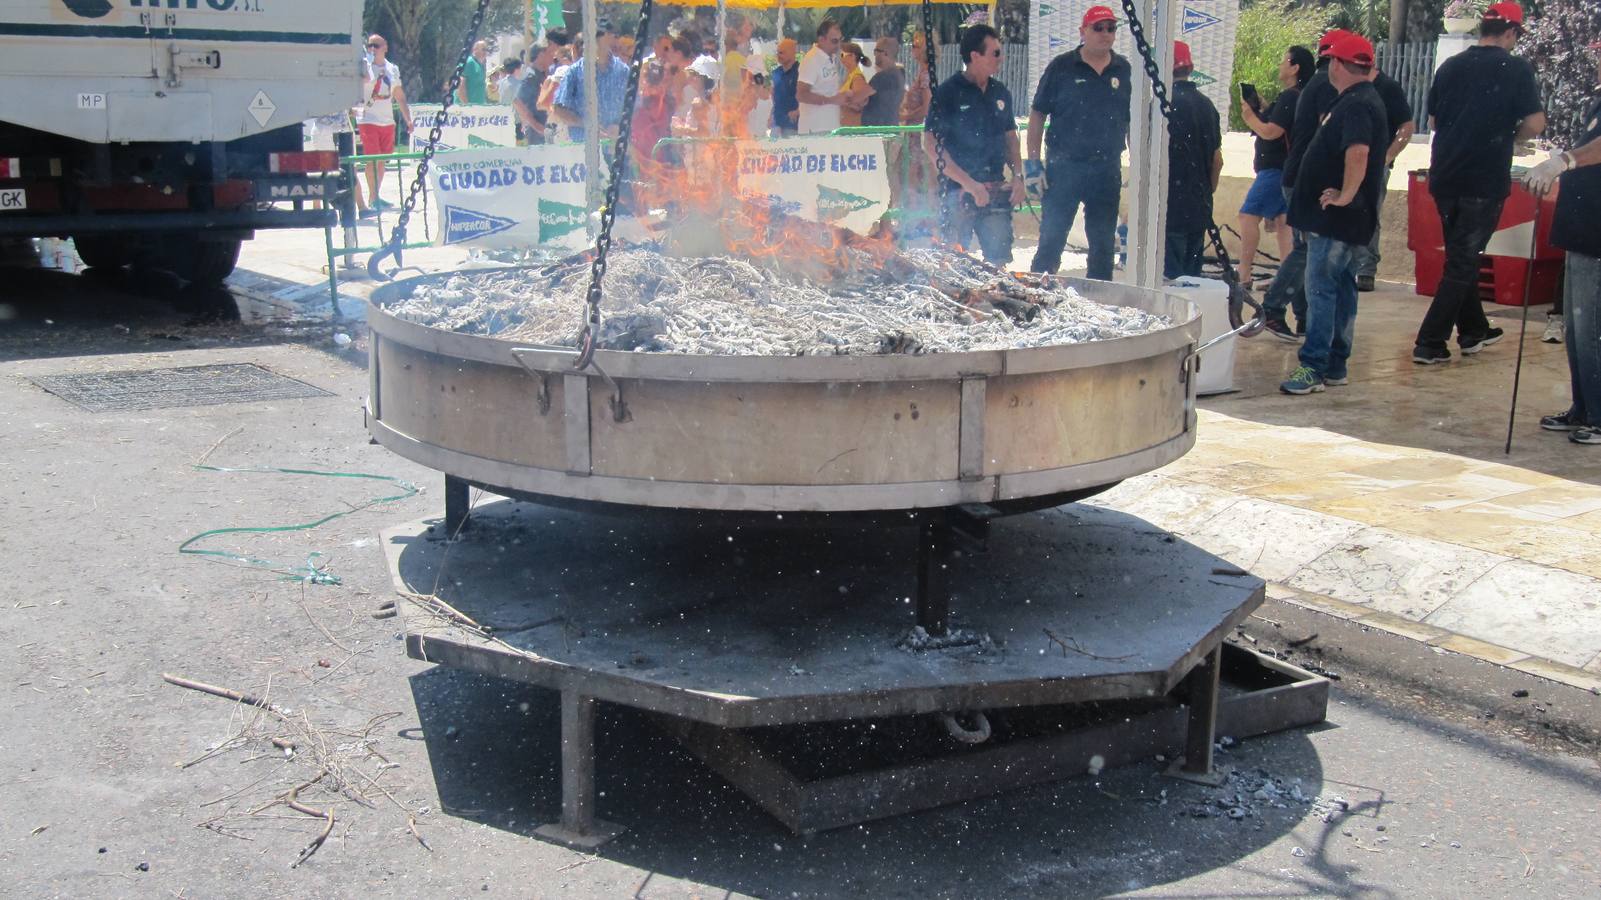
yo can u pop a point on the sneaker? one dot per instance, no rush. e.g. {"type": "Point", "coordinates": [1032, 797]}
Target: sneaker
{"type": "Point", "coordinates": [1281, 330]}
{"type": "Point", "coordinates": [1337, 380]}
{"type": "Point", "coordinates": [1430, 356]}
{"type": "Point", "coordinates": [1364, 283]}
{"type": "Point", "coordinates": [1470, 347]}
{"type": "Point", "coordinates": [1561, 422]}
{"type": "Point", "coordinates": [1554, 330]}
{"type": "Point", "coordinates": [368, 213]}
{"type": "Point", "coordinates": [1303, 381]}
{"type": "Point", "coordinates": [380, 203]}
{"type": "Point", "coordinates": [1585, 435]}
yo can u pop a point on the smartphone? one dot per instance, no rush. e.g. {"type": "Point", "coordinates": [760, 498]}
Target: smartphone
{"type": "Point", "coordinates": [1249, 95]}
{"type": "Point", "coordinates": [758, 79]}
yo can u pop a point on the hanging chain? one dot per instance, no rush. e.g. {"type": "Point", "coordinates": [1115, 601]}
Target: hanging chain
{"type": "Point", "coordinates": [397, 235]}
{"type": "Point", "coordinates": [939, 142]}
{"type": "Point", "coordinates": [608, 211]}
{"type": "Point", "coordinates": [1159, 90]}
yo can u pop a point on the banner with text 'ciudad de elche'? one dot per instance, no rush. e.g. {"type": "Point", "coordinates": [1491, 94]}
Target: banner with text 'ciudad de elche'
{"type": "Point", "coordinates": [512, 198]}
{"type": "Point", "coordinates": [463, 128]}
{"type": "Point", "coordinates": [840, 180]}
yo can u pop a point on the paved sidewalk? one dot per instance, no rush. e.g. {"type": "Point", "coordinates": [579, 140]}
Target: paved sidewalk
{"type": "Point", "coordinates": [1391, 501]}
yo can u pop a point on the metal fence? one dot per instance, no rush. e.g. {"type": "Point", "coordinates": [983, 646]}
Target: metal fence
{"type": "Point", "coordinates": [1013, 74]}
{"type": "Point", "coordinates": [1413, 66]}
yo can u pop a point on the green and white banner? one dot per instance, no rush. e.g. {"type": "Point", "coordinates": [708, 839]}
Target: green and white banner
{"type": "Point", "coordinates": [512, 198]}
{"type": "Point", "coordinates": [841, 180]}
{"type": "Point", "coordinates": [464, 127]}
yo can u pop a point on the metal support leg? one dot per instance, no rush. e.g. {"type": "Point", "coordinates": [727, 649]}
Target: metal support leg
{"type": "Point", "coordinates": [1200, 688]}
{"type": "Point", "coordinates": [457, 505]}
{"type": "Point", "coordinates": [933, 587]}
{"type": "Point", "coordinates": [578, 828]}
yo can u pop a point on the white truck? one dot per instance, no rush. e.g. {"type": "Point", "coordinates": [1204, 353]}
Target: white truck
{"type": "Point", "coordinates": [163, 133]}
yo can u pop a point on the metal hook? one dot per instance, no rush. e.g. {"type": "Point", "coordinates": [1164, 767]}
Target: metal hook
{"type": "Point", "coordinates": [397, 240]}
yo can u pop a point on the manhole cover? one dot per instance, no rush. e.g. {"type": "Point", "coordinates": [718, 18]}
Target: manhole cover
{"type": "Point", "coordinates": [166, 388]}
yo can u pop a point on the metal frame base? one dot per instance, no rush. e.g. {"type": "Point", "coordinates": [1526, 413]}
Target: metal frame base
{"type": "Point", "coordinates": [1294, 698]}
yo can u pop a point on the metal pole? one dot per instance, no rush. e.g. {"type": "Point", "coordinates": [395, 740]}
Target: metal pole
{"type": "Point", "coordinates": [1147, 209]}
{"type": "Point", "coordinates": [1397, 22]}
{"type": "Point", "coordinates": [592, 167]}
{"type": "Point", "coordinates": [722, 49]}
{"type": "Point", "coordinates": [1523, 330]}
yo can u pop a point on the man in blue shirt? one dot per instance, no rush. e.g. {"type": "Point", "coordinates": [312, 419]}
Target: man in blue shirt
{"type": "Point", "coordinates": [970, 129]}
{"type": "Point", "coordinates": [611, 83]}
{"type": "Point", "coordinates": [786, 108]}
{"type": "Point", "coordinates": [1085, 95]}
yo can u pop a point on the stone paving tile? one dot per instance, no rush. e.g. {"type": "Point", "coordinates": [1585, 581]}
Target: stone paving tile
{"type": "Point", "coordinates": [1482, 649]}
{"type": "Point", "coordinates": [1530, 608]}
{"type": "Point", "coordinates": [1395, 573]}
{"type": "Point", "coordinates": [1494, 531]}
{"type": "Point", "coordinates": [1565, 501]}
{"type": "Point", "coordinates": [1271, 540]}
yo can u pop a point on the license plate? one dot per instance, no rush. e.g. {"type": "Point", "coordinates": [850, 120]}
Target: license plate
{"type": "Point", "coordinates": [13, 199]}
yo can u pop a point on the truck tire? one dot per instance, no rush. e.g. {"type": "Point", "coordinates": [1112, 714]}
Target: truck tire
{"type": "Point", "coordinates": [204, 262]}
{"type": "Point", "coordinates": [104, 251]}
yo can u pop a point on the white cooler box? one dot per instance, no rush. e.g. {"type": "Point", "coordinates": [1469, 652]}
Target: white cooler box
{"type": "Point", "coordinates": [1217, 363]}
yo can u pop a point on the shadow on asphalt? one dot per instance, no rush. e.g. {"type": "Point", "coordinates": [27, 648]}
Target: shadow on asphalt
{"type": "Point", "coordinates": [48, 313]}
{"type": "Point", "coordinates": [495, 751]}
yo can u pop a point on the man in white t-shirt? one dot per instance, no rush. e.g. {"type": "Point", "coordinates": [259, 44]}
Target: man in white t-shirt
{"type": "Point", "coordinates": [375, 117]}
{"type": "Point", "coordinates": [818, 82]}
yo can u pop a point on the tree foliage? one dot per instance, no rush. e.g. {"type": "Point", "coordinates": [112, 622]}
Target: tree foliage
{"type": "Point", "coordinates": [1557, 45]}
{"type": "Point", "coordinates": [1267, 29]}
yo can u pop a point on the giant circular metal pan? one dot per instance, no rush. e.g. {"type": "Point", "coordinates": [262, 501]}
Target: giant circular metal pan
{"type": "Point", "coordinates": [1013, 428]}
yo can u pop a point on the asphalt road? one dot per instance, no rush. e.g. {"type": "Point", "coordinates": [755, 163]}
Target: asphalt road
{"type": "Point", "coordinates": [117, 784]}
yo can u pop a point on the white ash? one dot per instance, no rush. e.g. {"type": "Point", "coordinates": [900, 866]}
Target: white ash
{"type": "Point", "coordinates": [1247, 793]}
{"type": "Point", "coordinates": [728, 306]}
{"type": "Point", "coordinates": [918, 640]}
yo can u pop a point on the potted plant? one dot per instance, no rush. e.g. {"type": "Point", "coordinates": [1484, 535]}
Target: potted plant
{"type": "Point", "coordinates": [1462, 16]}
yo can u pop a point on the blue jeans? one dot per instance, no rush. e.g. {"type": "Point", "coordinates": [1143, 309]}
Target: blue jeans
{"type": "Point", "coordinates": [1330, 305]}
{"type": "Point", "coordinates": [1288, 290]}
{"type": "Point", "coordinates": [1098, 185]}
{"type": "Point", "coordinates": [1183, 253]}
{"type": "Point", "coordinates": [993, 223]}
{"type": "Point", "coordinates": [1582, 307]}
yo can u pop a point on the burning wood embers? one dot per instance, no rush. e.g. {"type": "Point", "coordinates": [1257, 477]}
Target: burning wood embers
{"type": "Point", "coordinates": [750, 281]}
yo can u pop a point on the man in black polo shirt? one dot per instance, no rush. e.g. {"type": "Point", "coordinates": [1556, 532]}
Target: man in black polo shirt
{"type": "Point", "coordinates": [1288, 290]}
{"type": "Point", "coordinates": [970, 122]}
{"type": "Point", "coordinates": [1483, 100]}
{"type": "Point", "coordinates": [1336, 204]}
{"type": "Point", "coordinates": [1085, 95]}
{"type": "Point", "coordinates": [1398, 113]}
{"type": "Point", "coordinates": [1195, 160]}
{"type": "Point", "coordinates": [1576, 230]}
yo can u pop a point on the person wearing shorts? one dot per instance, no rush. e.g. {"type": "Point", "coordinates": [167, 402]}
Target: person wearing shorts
{"type": "Point", "coordinates": [1265, 202]}
{"type": "Point", "coordinates": [375, 118]}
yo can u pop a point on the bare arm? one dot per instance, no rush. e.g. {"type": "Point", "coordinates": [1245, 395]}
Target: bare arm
{"type": "Point", "coordinates": [1267, 131]}
{"type": "Point", "coordinates": [1403, 136]}
{"type": "Point", "coordinates": [1531, 127]}
{"type": "Point", "coordinates": [566, 116]}
{"type": "Point", "coordinates": [1217, 168]}
{"type": "Point", "coordinates": [1587, 154]}
{"type": "Point", "coordinates": [952, 171]}
{"type": "Point", "coordinates": [405, 108]}
{"type": "Point", "coordinates": [805, 94]}
{"type": "Point", "coordinates": [526, 116]}
{"type": "Point", "coordinates": [1036, 132]}
{"type": "Point", "coordinates": [461, 92]}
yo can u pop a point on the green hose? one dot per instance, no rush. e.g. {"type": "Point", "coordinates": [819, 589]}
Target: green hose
{"type": "Point", "coordinates": [310, 572]}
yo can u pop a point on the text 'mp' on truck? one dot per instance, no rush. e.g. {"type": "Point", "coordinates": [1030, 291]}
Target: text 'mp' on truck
{"type": "Point", "coordinates": [164, 133]}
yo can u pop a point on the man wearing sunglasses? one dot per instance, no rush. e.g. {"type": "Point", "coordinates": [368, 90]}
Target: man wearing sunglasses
{"type": "Point", "coordinates": [375, 119]}
{"type": "Point", "coordinates": [970, 129]}
{"type": "Point", "coordinates": [1085, 95]}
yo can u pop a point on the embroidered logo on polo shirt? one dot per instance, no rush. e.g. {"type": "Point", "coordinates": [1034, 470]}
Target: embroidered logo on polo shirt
{"type": "Point", "coordinates": [1000, 104]}
{"type": "Point", "coordinates": [1115, 83]}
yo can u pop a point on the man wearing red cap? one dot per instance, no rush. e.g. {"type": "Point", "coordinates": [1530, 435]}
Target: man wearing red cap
{"type": "Point", "coordinates": [1194, 162]}
{"type": "Point", "coordinates": [1336, 204]}
{"type": "Point", "coordinates": [1483, 100]}
{"type": "Point", "coordinates": [1575, 230]}
{"type": "Point", "coordinates": [1288, 290]}
{"type": "Point", "coordinates": [1085, 94]}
